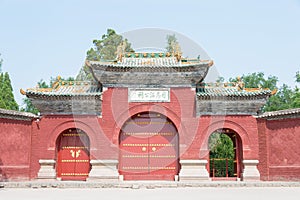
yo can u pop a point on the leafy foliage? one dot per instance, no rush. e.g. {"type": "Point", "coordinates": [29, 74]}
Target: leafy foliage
{"type": "Point", "coordinates": [7, 100]}
{"type": "Point", "coordinates": [257, 79]}
{"type": "Point", "coordinates": [221, 146]}
{"type": "Point", "coordinates": [103, 49]}
{"type": "Point", "coordinates": [285, 98]}
{"type": "Point", "coordinates": [171, 41]}
{"type": "Point", "coordinates": [221, 155]}
{"type": "Point", "coordinates": [297, 76]}
{"type": "Point", "coordinates": [29, 107]}
{"type": "Point", "coordinates": [173, 46]}
{"type": "Point", "coordinates": [1, 61]}
{"type": "Point", "coordinates": [281, 100]}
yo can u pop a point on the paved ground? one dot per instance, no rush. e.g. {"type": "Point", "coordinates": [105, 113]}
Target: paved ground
{"type": "Point", "coordinates": [142, 184]}
{"type": "Point", "coordinates": [207, 193]}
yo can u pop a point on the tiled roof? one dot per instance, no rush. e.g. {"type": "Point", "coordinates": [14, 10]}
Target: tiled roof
{"type": "Point", "coordinates": [12, 114]}
{"type": "Point", "coordinates": [230, 99]}
{"type": "Point", "coordinates": [164, 71]}
{"type": "Point", "coordinates": [152, 62]}
{"type": "Point", "coordinates": [230, 90]}
{"type": "Point", "coordinates": [67, 88]}
{"type": "Point", "coordinates": [67, 97]}
{"type": "Point", "coordinates": [288, 113]}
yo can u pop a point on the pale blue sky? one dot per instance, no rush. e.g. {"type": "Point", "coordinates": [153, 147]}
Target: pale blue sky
{"type": "Point", "coordinates": [40, 39]}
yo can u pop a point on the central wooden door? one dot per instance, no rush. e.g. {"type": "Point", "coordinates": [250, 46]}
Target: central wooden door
{"type": "Point", "coordinates": [73, 162]}
{"type": "Point", "coordinates": [148, 148]}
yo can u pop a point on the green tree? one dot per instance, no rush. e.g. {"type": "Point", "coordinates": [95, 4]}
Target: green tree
{"type": "Point", "coordinates": [43, 84]}
{"type": "Point", "coordinates": [281, 100]}
{"type": "Point", "coordinates": [296, 98]}
{"type": "Point", "coordinates": [173, 45]}
{"type": "Point", "coordinates": [7, 100]}
{"type": "Point", "coordinates": [220, 146]}
{"type": "Point", "coordinates": [296, 95]}
{"type": "Point", "coordinates": [285, 98]}
{"type": "Point", "coordinates": [103, 49]}
{"type": "Point", "coordinates": [221, 153]}
{"type": "Point", "coordinates": [1, 61]}
{"type": "Point", "coordinates": [2, 103]}
{"type": "Point", "coordinates": [257, 79]}
{"type": "Point", "coordinates": [297, 76]}
{"type": "Point", "coordinates": [171, 41]}
{"type": "Point", "coordinates": [29, 107]}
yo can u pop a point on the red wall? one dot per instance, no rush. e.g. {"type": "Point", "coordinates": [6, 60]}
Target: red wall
{"type": "Point", "coordinates": [274, 143]}
{"type": "Point", "coordinates": [281, 154]}
{"type": "Point", "coordinates": [193, 130]}
{"type": "Point", "coordinates": [15, 144]}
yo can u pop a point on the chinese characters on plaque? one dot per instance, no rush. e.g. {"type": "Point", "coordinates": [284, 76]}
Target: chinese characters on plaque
{"type": "Point", "coordinates": [149, 95]}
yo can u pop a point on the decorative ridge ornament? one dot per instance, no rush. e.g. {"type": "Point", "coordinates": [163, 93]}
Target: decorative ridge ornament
{"type": "Point", "coordinates": [240, 84]}
{"type": "Point", "coordinates": [121, 50]}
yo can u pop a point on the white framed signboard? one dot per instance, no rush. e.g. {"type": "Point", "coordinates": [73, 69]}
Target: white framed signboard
{"type": "Point", "coordinates": [149, 94]}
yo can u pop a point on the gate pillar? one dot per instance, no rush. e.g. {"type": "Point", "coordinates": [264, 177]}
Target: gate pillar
{"type": "Point", "coordinates": [250, 172]}
{"type": "Point", "coordinates": [47, 170]}
{"type": "Point", "coordinates": [193, 170]}
{"type": "Point", "coordinates": [103, 170]}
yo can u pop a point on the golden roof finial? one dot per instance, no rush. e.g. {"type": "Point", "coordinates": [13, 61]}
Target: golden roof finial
{"type": "Point", "coordinates": [178, 52]}
{"type": "Point", "coordinates": [121, 50]}
{"type": "Point", "coordinates": [274, 92]}
{"type": "Point", "coordinates": [22, 92]}
{"type": "Point", "coordinates": [240, 84]}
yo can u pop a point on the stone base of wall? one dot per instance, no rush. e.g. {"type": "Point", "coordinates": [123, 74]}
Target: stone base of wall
{"type": "Point", "coordinates": [103, 170]}
{"type": "Point", "coordinates": [250, 172]}
{"type": "Point", "coordinates": [47, 170]}
{"type": "Point", "coordinates": [193, 170]}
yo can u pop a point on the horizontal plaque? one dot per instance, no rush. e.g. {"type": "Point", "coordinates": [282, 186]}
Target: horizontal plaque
{"type": "Point", "coordinates": [149, 95]}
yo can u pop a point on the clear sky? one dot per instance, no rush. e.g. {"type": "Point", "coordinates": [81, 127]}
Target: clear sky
{"type": "Point", "coordinates": [40, 39]}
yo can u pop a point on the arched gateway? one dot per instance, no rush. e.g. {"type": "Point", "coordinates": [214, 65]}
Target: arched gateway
{"type": "Point", "coordinates": [73, 155]}
{"type": "Point", "coordinates": [226, 155]}
{"type": "Point", "coordinates": [148, 148]}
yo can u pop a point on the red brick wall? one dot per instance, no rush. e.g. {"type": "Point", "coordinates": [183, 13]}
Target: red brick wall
{"type": "Point", "coordinates": [49, 129]}
{"type": "Point", "coordinates": [15, 144]}
{"type": "Point", "coordinates": [284, 149]}
{"type": "Point", "coordinates": [263, 165]}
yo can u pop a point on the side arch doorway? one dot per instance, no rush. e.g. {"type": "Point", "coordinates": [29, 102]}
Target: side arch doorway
{"type": "Point", "coordinates": [73, 155]}
{"type": "Point", "coordinates": [148, 148]}
{"type": "Point", "coordinates": [225, 155]}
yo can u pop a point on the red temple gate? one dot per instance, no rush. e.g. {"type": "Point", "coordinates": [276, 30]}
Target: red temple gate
{"type": "Point", "coordinates": [73, 162]}
{"type": "Point", "coordinates": [149, 148]}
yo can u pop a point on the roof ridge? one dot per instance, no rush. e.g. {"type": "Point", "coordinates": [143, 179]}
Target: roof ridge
{"type": "Point", "coordinates": [280, 112]}
{"type": "Point", "coordinates": [5, 112]}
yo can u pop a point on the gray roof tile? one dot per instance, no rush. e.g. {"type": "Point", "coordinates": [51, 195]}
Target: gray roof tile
{"type": "Point", "coordinates": [17, 115]}
{"type": "Point", "coordinates": [295, 112]}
